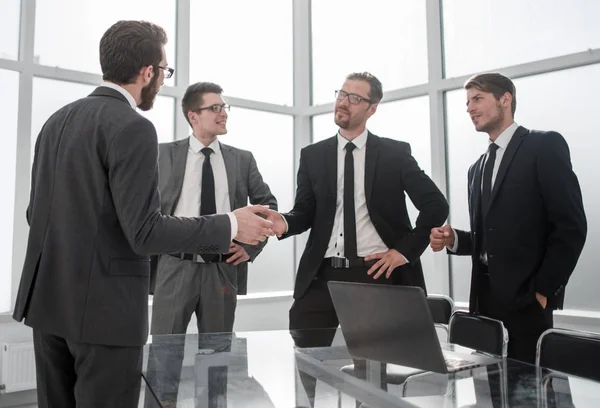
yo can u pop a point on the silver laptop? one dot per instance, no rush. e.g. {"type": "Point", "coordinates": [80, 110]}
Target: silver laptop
{"type": "Point", "coordinates": [393, 324]}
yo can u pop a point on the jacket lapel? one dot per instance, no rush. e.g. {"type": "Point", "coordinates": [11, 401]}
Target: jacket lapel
{"type": "Point", "coordinates": [511, 149]}
{"type": "Point", "coordinates": [230, 160]}
{"type": "Point", "coordinates": [475, 188]}
{"type": "Point", "coordinates": [179, 159]}
{"type": "Point", "coordinates": [370, 163]}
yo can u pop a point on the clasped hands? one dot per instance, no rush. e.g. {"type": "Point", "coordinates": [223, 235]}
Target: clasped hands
{"type": "Point", "coordinates": [252, 228]}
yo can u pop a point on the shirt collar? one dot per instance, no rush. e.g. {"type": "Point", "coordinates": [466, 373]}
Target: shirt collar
{"type": "Point", "coordinates": [122, 91]}
{"type": "Point", "coordinates": [504, 138]}
{"type": "Point", "coordinates": [197, 145]}
{"type": "Point", "coordinates": [359, 142]}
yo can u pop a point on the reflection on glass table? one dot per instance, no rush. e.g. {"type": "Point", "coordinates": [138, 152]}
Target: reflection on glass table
{"type": "Point", "coordinates": [265, 369]}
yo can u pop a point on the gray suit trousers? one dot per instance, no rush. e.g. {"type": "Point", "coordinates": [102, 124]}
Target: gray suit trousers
{"type": "Point", "coordinates": [185, 287]}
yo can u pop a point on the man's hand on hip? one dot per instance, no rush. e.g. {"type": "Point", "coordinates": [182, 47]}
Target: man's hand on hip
{"type": "Point", "coordinates": [252, 229]}
{"type": "Point", "coordinates": [239, 254]}
{"type": "Point", "coordinates": [388, 261]}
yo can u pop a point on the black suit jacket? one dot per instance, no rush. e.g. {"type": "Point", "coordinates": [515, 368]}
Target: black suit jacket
{"type": "Point", "coordinates": [94, 217]}
{"type": "Point", "coordinates": [390, 172]}
{"type": "Point", "coordinates": [244, 183]}
{"type": "Point", "coordinates": [536, 225]}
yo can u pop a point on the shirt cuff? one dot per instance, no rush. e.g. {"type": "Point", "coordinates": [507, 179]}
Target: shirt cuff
{"type": "Point", "coordinates": [287, 227]}
{"type": "Point", "coordinates": [455, 246]}
{"type": "Point", "coordinates": [234, 225]}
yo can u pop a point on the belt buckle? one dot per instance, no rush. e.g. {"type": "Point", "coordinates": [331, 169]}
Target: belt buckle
{"type": "Point", "coordinates": [339, 263]}
{"type": "Point", "coordinates": [198, 258]}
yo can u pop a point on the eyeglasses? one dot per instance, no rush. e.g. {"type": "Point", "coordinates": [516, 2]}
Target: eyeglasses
{"type": "Point", "coordinates": [168, 71]}
{"type": "Point", "coordinates": [354, 99]}
{"type": "Point", "coordinates": [214, 108]}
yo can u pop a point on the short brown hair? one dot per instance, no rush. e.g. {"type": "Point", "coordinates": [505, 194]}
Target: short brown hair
{"type": "Point", "coordinates": [376, 93]}
{"type": "Point", "coordinates": [495, 84]}
{"type": "Point", "coordinates": [128, 46]}
{"type": "Point", "coordinates": [192, 99]}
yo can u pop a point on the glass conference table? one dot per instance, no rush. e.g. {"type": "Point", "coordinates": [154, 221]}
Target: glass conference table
{"type": "Point", "coordinates": [265, 369]}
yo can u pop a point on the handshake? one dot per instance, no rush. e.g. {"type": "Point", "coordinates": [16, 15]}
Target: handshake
{"type": "Point", "coordinates": [254, 228]}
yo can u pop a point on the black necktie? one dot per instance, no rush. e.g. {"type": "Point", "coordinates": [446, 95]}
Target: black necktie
{"type": "Point", "coordinates": [208, 203]}
{"type": "Point", "coordinates": [488, 170]}
{"type": "Point", "coordinates": [350, 251]}
{"type": "Point", "coordinates": [486, 193]}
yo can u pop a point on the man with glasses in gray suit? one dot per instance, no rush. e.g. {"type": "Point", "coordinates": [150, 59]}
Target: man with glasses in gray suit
{"type": "Point", "coordinates": [200, 175]}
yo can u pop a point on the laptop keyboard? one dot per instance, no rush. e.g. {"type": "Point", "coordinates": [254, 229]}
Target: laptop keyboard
{"type": "Point", "coordinates": [452, 362]}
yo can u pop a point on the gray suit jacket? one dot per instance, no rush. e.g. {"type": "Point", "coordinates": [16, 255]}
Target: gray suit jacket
{"type": "Point", "coordinates": [95, 219]}
{"type": "Point", "coordinates": [243, 179]}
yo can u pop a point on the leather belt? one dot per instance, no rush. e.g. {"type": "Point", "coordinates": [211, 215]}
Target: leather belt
{"type": "Point", "coordinates": [343, 263]}
{"type": "Point", "coordinates": [203, 258]}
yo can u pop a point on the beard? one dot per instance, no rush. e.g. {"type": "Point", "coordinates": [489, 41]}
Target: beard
{"type": "Point", "coordinates": [149, 93]}
{"type": "Point", "coordinates": [344, 122]}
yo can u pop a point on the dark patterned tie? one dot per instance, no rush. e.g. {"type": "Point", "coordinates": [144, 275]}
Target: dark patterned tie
{"type": "Point", "coordinates": [208, 204]}
{"type": "Point", "coordinates": [486, 192]}
{"type": "Point", "coordinates": [350, 251]}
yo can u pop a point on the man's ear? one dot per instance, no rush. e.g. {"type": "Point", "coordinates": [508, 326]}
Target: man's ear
{"type": "Point", "coordinates": [147, 73]}
{"type": "Point", "coordinates": [507, 99]}
{"type": "Point", "coordinates": [373, 108]}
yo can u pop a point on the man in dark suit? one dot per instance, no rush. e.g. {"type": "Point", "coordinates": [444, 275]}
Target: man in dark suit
{"type": "Point", "coordinates": [528, 225]}
{"type": "Point", "coordinates": [94, 217]}
{"type": "Point", "coordinates": [197, 176]}
{"type": "Point", "coordinates": [351, 194]}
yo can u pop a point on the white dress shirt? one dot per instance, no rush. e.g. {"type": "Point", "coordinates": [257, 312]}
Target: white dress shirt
{"type": "Point", "coordinates": [368, 241]}
{"type": "Point", "coordinates": [502, 142]}
{"type": "Point", "coordinates": [189, 200]}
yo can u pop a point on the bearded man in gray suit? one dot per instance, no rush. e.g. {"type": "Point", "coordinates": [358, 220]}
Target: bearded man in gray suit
{"type": "Point", "coordinates": [94, 217]}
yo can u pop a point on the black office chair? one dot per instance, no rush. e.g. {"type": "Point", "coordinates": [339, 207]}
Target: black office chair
{"type": "Point", "coordinates": [441, 308]}
{"type": "Point", "coordinates": [473, 331]}
{"type": "Point", "coordinates": [478, 332]}
{"type": "Point", "coordinates": [570, 351]}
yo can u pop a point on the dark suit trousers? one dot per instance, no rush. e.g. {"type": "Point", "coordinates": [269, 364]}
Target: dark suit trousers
{"type": "Point", "coordinates": [314, 310]}
{"type": "Point", "coordinates": [524, 326]}
{"type": "Point", "coordinates": [81, 375]}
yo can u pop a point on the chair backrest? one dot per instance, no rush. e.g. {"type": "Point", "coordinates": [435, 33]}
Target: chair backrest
{"type": "Point", "coordinates": [478, 332]}
{"type": "Point", "coordinates": [570, 351]}
{"type": "Point", "coordinates": [441, 308]}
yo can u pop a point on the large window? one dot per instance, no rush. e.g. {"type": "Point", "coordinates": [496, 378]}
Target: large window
{"type": "Point", "coordinates": [68, 32]}
{"type": "Point", "coordinates": [9, 29]}
{"type": "Point", "coordinates": [163, 117]}
{"type": "Point", "coordinates": [244, 46]}
{"type": "Point", "coordinates": [9, 88]}
{"type": "Point", "coordinates": [385, 38]}
{"type": "Point", "coordinates": [480, 35]}
{"type": "Point", "coordinates": [407, 121]}
{"type": "Point", "coordinates": [269, 136]}
{"type": "Point", "coordinates": [576, 121]}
